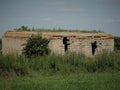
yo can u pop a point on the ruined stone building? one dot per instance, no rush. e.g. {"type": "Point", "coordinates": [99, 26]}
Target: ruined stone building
{"type": "Point", "coordinates": [60, 42]}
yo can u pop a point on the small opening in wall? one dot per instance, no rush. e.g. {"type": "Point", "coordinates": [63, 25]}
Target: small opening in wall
{"type": "Point", "coordinates": [66, 43]}
{"type": "Point", "coordinates": [94, 46]}
{"type": "Point", "coordinates": [100, 43]}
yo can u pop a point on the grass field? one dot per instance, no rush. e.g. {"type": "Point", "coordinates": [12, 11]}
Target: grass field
{"type": "Point", "coordinates": [61, 72]}
{"type": "Point", "coordinates": [83, 81]}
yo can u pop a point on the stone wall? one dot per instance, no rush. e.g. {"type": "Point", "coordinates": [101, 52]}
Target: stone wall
{"type": "Point", "coordinates": [81, 45]}
{"type": "Point", "coordinates": [12, 43]}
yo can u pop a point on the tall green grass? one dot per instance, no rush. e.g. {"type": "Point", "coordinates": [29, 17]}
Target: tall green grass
{"type": "Point", "coordinates": [61, 64]}
{"type": "Point", "coordinates": [10, 65]}
{"type": "Point", "coordinates": [108, 61]}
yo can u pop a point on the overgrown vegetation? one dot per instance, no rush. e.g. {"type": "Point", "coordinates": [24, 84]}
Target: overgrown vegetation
{"type": "Point", "coordinates": [77, 63]}
{"type": "Point", "coordinates": [0, 43]}
{"type": "Point", "coordinates": [13, 65]}
{"type": "Point", "coordinates": [36, 46]}
{"type": "Point", "coordinates": [62, 64]}
{"type": "Point", "coordinates": [25, 28]}
{"type": "Point", "coordinates": [117, 43]}
{"type": "Point", "coordinates": [0, 46]}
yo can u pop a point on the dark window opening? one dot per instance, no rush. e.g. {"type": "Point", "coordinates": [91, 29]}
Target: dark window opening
{"type": "Point", "coordinates": [94, 46]}
{"type": "Point", "coordinates": [66, 43]}
{"type": "Point", "coordinates": [100, 43]}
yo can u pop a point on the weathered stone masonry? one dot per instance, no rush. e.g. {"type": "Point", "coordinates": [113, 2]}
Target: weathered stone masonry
{"type": "Point", "coordinates": [86, 43]}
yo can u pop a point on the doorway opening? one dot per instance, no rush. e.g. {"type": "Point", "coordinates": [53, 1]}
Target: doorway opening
{"type": "Point", "coordinates": [66, 43]}
{"type": "Point", "coordinates": [94, 47]}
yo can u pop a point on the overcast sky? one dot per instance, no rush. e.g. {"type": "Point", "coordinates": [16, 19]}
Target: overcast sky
{"type": "Point", "coordinates": [67, 14]}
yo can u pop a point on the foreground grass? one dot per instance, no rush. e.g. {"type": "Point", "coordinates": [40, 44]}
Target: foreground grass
{"type": "Point", "coordinates": [60, 64]}
{"type": "Point", "coordinates": [55, 72]}
{"type": "Point", "coordinates": [86, 81]}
